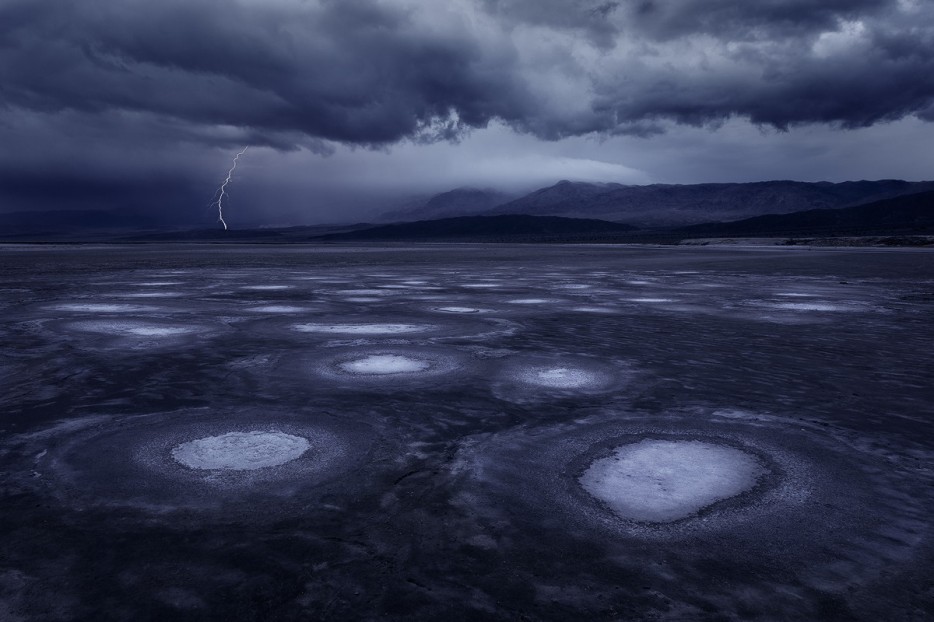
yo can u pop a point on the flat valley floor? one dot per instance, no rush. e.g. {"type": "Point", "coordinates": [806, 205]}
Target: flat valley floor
{"type": "Point", "coordinates": [466, 432]}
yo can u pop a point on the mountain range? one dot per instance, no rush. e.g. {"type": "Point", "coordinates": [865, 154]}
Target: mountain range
{"type": "Point", "coordinates": [845, 209]}
{"type": "Point", "coordinates": [907, 215]}
{"type": "Point", "coordinates": [661, 205]}
{"type": "Point", "coordinates": [514, 227]}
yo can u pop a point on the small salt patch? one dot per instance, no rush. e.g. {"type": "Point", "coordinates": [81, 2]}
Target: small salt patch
{"type": "Point", "coordinates": [131, 329]}
{"type": "Point", "coordinates": [558, 377]}
{"type": "Point", "coordinates": [361, 292]}
{"type": "Point", "coordinates": [277, 309]}
{"type": "Point", "coordinates": [156, 331]}
{"type": "Point", "coordinates": [100, 308]}
{"type": "Point", "coordinates": [809, 306]}
{"type": "Point", "coordinates": [591, 309]}
{"type": "Point", "coordinates": [150, 295]}
{"type": "Point", "coordinates": [384, 364]}
{"type": "Point", "coordinates": [360, 329]}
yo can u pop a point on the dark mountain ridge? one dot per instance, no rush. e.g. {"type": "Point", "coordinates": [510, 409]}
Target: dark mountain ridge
{"type": "Point", "coordinates": [664, 205]}
{"type": "Point", "coordinates": [491, 228]}
{"type": "Point", "coordinates": [904, 215]}
{"type": "Point", "coordinates": [911, 215]}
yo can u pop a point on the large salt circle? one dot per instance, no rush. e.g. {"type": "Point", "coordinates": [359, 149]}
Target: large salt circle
{"type": "Point", "coordinates": [240, 451]}
{"type": "Point", "coordinates": [659, 481]}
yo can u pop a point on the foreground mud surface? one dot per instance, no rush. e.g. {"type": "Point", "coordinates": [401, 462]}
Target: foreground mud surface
{"type": "Point", "coordinates": [466, 432]}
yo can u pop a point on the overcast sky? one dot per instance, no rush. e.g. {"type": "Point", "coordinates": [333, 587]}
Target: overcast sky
{"type": "Point", "coordinates": [348, 105]}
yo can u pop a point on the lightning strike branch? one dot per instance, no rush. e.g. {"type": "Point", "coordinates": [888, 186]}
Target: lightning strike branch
{"type": "Point", "coordinates": [223, 189]}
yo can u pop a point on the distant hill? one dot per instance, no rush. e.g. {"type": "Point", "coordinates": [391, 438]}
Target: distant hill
{"type": "Point", "coordinates": [488, 228]}
{"type": "Point", "coordinates": [905, 215]}
{"type": "Point", "coordinates": [663, 205]}
{"type": "Point", "coordinates": [457, 202]}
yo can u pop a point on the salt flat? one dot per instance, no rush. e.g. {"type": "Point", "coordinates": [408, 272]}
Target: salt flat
{"type": "Point", "coordinates": [505, 432]}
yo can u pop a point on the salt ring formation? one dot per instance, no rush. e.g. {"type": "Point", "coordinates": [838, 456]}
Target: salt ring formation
{"type": "Point", "coordinates": [197, 461]}
{"type": "Point", "coordinates": [467, 432]}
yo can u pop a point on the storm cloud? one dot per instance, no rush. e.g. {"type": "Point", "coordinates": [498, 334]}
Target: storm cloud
{"type": "Point", "coordinates": [99, 78]}
{"type": "Point", "coordinates": [367, 72]}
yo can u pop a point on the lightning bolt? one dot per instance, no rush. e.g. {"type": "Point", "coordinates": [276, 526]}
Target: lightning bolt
{"type": "Point", "coordinates": [223, 189]}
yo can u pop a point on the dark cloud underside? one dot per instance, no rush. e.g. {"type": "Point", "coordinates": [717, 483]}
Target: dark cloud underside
{"type": "Point", "coordinates": [369, 73]}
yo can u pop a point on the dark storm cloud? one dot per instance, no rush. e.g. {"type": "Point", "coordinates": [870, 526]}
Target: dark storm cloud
{"type": "Point", "coordinates": [349, 71]}
{"type": "Point", "coordinates": [739, 21]}
{"type": "Point", "coordinates": [365, 72]}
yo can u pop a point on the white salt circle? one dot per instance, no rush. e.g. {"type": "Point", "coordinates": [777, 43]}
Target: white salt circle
{"type": "Point", "coordinates": [361, 292]}
{"type": "Point", "coordinates": [663, 481]}
{"type": "Point", "coordinates": [100, 308]}
{"type": "Point", "coordinates": [277, 309]}
{"type": "Point", "coordinates": [156, 331]}
{"type": "Point", "coordinates": [528, 301]}
{"type": "Point", "coordinates": [809, 306]}
{"type": "Point", "coordinates": [267, 288]}
{"type": "Point", "coordinates": [132, 329]}
{"type": "Point", "coordinates": [591, 309]}
{"type": "Point", "coordinates": [360, 329]}
{"type": "Point", "coordinates": [383, 364]}
{"type": "Point", "coordinates": [240, 451]}
{"type": "Point", "coordinates": [558, 377]}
